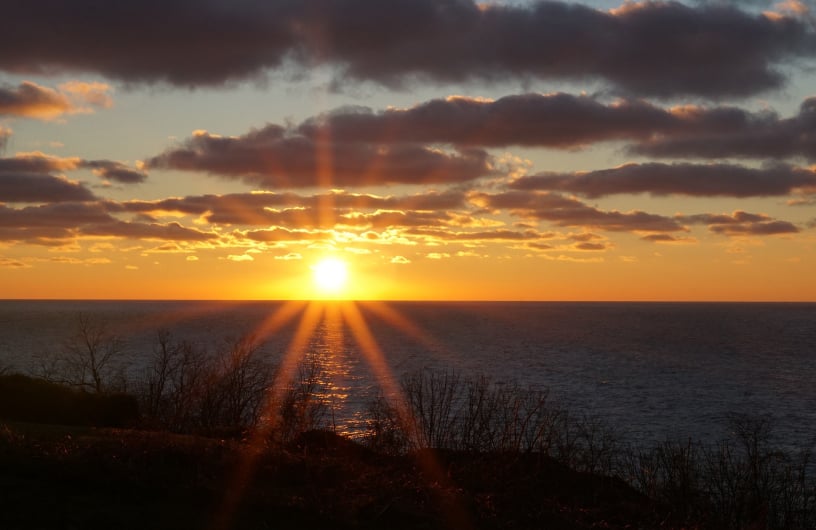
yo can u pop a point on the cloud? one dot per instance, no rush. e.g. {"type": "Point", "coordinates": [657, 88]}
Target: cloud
{"type": "Point", "coordinates": [281, 234]}
{"type": "Point", "coordinates": [157, 231]}
{"type": "Point", "coordinates": [666, 238]}
{"type": "Point", "coordinates": [557, 120]}
{"type": "Point", "coordinates": [115, 171]}
{"type": "Point", "coordinates": [709, 50]}
{"type": "Point", "coordinates": [699, 180]}
{"type": "Point", "coordinates": [275, 158]}
{"type": "Point", "coordinates": [567, 211]}
{"type": "Point", "coordinates": [77, 261]}
{"type": "Point", "coordinates": [494, 235]}
{"type": "Point", "coordinates": [37, 162]}
{"type": "Point", "coordinates": [12, 263]}
{"type": "Point", "coordinates": [742, 223]}
{"type": "Point", "coordinates": [37, 188]}
{"type": "Point", "coordinates": [96, 94]}
{"type": "Point", "coordinates": [553, 120]}
{"type": "Point", "coordinates": [462, 40]}
{"type": "Point", "coordinates": [290, 256]}
{"type": "Point", "coordinates": [318, 210]}
{"type": "Point", "coordinates": [57, 215]}
{"type": "Point", "coordinates": [762, 135]}
{"type": "Point", "coordinates": [30, 100]}
{"type": "Point", "coordinates": [240, 257]}
{"type": "Point", "coordinates": [400, 260]}
{"type": "Point", "coordinates": [54, 223]}
{"type": "Point", "coordinates": [590, 246]}
{"type": "Point", "coordinates": [29, 170]}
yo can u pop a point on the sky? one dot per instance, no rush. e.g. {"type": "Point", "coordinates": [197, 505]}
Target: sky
{"type": "Point", "coordinates": [441, 149]}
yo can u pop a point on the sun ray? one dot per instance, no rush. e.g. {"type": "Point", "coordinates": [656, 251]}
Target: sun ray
{"type": "Point", "coordinates": [246, 467]}
{"type": "Point", "coordinates": [457, 515]}
{"type": "Point", "coordinates": [282, 316]}
{"type": "Point", "coordinates": [310, 317]}
{"type": "Point", "coordinates": [392, 317]}
{"type": "Point", "coordinates": [369, 347]}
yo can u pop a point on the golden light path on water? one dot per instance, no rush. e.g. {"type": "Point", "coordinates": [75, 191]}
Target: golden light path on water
{"type": "Point", "coordinates": [336, 316]}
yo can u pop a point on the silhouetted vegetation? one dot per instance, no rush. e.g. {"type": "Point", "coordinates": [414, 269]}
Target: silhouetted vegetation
{"type": "Point", "coordinates": [744, 481]}
{"type": "Point", "coordinates": [187, 389]}
{"type": "Point", "coordinates": [448, 452]}
{"type": "Point", "coordinates": [27, 399]}
{"type": "Point", "coordinates": [89, 359]}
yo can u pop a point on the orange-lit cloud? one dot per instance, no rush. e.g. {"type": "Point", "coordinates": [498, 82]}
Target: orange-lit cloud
{"type": "Point", "coordinates": [266, 208]}
{"type": "Point", "coordinates": [25, 177]}
{"type": "Point", "coordinates": [567, 211]}
{"type": "Point", "coordinates": [30, 100]}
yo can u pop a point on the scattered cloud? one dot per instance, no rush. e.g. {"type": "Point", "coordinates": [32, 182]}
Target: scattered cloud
{"type": "Point", "coordinates": [700, 180]}
{"type": "Point", "coordinates": [37, 187]}
{"type": "Point", "coordinates": [568, 211]}
{"type": "Point", "coordinates": [268, 208]}
{"type": "Point", "coordinates": [400, 260]}
{"type": "Point", "coordinates": [667, 238]}
{"type": "Point", "coordinates": [742, 223]}
{"type": "Point", "coordinates": [553, 120]}
{"type": "Point", "coordinates": [275, 158]}
{"type": "Point", "coordinates": [762, 135]}
{"type": "Point", "coordinates": [290, 256]}
{"type": "Point", "coordinates": [30, 100]}
{"type": "Point", "coordinates": [10, 263]}
{"type": "Point", "coordinates": [590, 246]}
{"type": "Point", "coordinates": [240, 257]}
{"type": "Point", "coordinates": [26, 177]}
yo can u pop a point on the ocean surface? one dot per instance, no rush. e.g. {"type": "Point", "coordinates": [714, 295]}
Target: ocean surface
{"type": "Point", "coordinates": [651, 370]}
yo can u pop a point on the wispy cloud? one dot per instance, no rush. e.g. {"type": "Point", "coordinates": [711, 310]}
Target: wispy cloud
{"type": "Point", "coordinates": [30, 100]}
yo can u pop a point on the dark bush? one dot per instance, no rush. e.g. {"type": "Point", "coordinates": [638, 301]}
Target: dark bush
{"type": "Point", "coordinates": [28, 399]}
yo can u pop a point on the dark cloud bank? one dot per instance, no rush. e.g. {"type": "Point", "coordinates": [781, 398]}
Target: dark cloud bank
{"type": "Point", "coordinates": [657, 49]}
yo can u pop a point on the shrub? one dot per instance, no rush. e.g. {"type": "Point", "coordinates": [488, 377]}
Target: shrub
{"type": "Point", "coordinates": [187, 389]}
{"type": "Point", "coordinates": [28, 399]}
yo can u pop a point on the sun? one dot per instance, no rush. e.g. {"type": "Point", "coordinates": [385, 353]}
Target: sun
{"type": "Point", "coordinates": [330, 275]}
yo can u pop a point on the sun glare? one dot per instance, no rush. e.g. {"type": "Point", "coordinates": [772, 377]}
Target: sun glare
{"type": "Point", "coordinates": [330, 275]}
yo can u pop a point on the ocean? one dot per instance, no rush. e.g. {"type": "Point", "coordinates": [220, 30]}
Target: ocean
{"type": "Point", "coordinates": [653, 371]}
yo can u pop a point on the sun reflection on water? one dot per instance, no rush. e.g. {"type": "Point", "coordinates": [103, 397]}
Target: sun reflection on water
{"type": "Point", "coordinates": [322, 338]}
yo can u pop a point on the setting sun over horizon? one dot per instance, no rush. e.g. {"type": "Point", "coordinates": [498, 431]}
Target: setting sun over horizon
{"type": "Point", "coordinates": [435, 167]}
{"type": "Point", "coordinates": [330, 276]}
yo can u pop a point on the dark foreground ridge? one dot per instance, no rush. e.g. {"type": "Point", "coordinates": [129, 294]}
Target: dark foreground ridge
{"type": "Point", "coordinates": [97, 478]}
{"type": "Point", "coordinates": [453, 453]}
